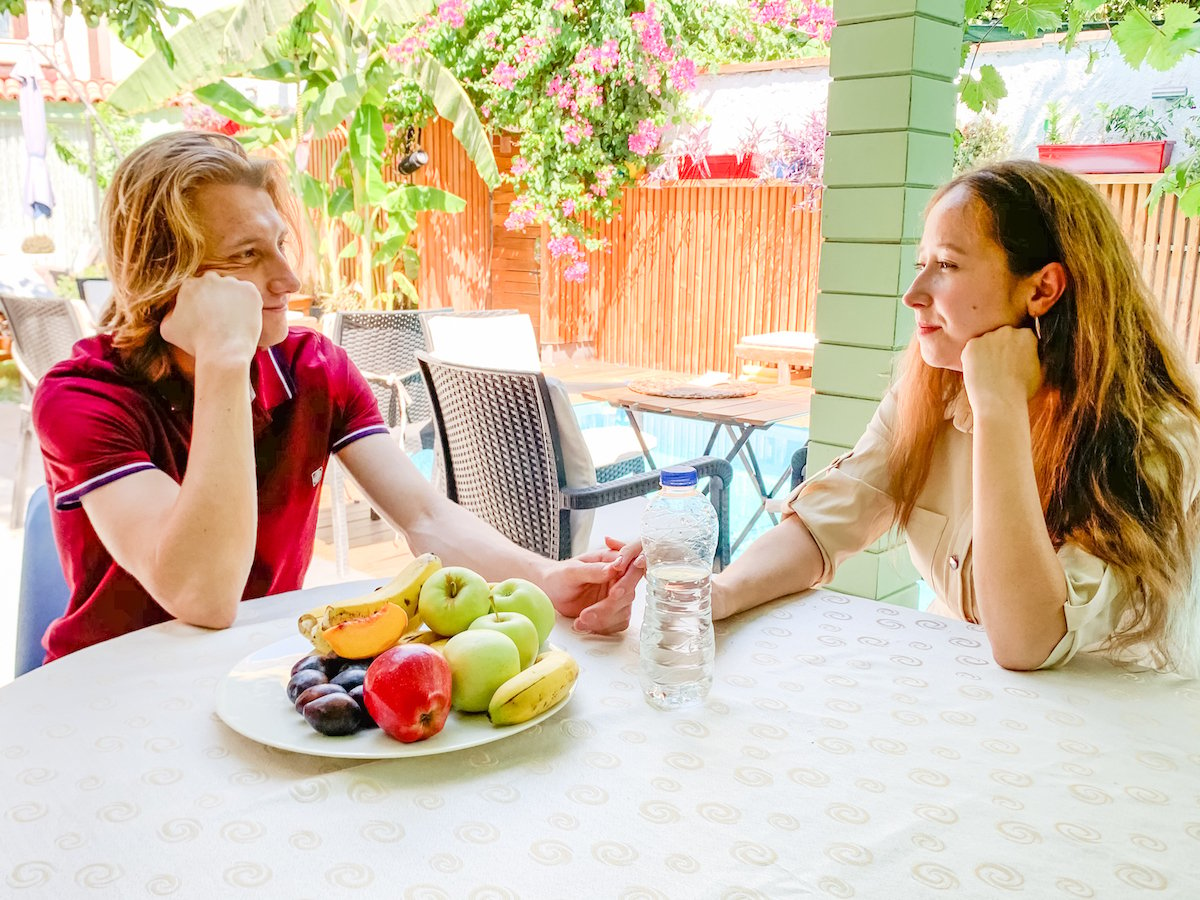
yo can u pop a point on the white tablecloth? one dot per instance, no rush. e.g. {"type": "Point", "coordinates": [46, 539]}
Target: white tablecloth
{"type": "Point", "coordinates": [848, 749]}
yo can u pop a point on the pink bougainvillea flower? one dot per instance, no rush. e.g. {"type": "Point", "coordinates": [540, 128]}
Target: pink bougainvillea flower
{"type": "Point", "coordinates": [576, 271]}
{"type": "Point", "coordinates": [504, 76]}
{"type": "Point", "coordinates": [644, 141]}
{"type": "Point", "coordinates": [577, 130]}
{"type": "Point", "coordinates": [407, 49]}
{"type": "Point", "coordinates": [568, 207]}
{"type": "Point", "coordinates": [683, 74]}
{"type": "Point", "coordinates": [649, 30]}
{"type": "Point", "coordinates": [451, 12]}
{"type": "Point", "coordinates": [563, 246]}
{"type": "Point", "coordinates": [520, 166]}
{"type": "Point", "coordinates": [519, 218]}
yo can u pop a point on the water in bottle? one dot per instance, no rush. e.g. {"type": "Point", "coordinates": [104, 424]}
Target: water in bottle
{"type": "Point", "coordinates": [679, 538]}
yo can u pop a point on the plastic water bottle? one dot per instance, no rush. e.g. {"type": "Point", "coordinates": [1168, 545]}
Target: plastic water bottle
{"type": "Point", "coordinates": [679, 537]}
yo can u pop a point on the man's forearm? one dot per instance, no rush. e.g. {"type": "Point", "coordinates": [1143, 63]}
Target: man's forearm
{"type": "Point", "coordinates": [207, 544]}
{"type": "Point", "coordinates": [785, 560]}
{"type": "Point", "coordinates": [462, 539]}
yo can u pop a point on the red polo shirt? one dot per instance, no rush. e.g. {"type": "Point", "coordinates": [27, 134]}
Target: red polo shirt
{"type": "Point", "coordinates": [96, 423]}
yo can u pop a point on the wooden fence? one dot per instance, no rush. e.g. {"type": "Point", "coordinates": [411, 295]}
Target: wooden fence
{"type": "Point", "coordinates": [693, 266]}
{"type": "Point", "coordinates": [1167, 246]}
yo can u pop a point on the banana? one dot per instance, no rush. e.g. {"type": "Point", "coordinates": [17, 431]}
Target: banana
{"type": "Point", "coordinates": [421, 637]}
{"type": "Point", "coordinates": [404, 590]}
{"type": "Point", "coordinates": [534, 690]}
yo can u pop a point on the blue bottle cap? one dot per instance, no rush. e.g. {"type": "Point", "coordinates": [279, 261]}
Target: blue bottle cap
{"type": "Point", "coordinates": [677, 476]}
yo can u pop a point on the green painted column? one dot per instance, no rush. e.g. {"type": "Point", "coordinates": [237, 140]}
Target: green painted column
{"type": "Point", "coordinates": [891, 121]}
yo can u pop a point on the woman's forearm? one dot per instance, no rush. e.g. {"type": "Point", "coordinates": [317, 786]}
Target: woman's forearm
{"type": "Point", "coordinates": [783, 561]}
{"type": "Point", "coordinates": [1020, 588]}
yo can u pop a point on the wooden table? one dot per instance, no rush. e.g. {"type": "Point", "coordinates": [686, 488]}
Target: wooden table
{"type": "Point", "coordinates": [738, 417]}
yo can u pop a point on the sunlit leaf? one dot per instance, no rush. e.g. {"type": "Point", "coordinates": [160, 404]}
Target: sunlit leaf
{"type": "Point", "coordinates": [984, 92]}
{"type": "Point", "coordinates": [1028, 18]}
{"type": "Point", "coordinates": [224, 43]}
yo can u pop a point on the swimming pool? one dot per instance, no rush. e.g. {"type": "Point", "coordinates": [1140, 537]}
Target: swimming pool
{"type": "Point", "coordinates": [679, 440]}
{"type": "Point", "coordinates": [682, 439]}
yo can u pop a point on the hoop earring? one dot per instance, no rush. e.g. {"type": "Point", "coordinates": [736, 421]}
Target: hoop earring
{"type": "Point", "coordinates": [1037, 327]}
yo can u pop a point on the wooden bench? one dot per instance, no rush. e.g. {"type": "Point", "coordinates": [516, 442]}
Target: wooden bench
{"type": "Point", "coordinates": [784, 348]}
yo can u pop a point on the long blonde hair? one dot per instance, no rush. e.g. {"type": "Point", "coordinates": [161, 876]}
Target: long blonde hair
{"type": "Point", "coordinates": [152, 241]}
{"type": "Point", "coordinates": [1114, 446]}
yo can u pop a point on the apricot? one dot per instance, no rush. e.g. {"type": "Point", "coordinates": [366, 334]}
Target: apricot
{"type": "Point", "coordinates": [369, 635]}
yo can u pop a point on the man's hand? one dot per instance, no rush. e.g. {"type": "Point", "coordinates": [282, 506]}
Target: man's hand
{"type": "Point", "coordinates": [596, 589]}
{"type": "Point", "coordinates": [1001, 367]}
{"type": "Point", "coordinates": [215, 316]}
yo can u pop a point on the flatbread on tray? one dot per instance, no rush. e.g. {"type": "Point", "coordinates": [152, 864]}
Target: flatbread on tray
{"type": "Point", "coordinates": [669, 387]}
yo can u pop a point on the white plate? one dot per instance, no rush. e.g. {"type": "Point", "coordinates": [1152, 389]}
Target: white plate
{"type": "Point", "coordinates": [252, 700]}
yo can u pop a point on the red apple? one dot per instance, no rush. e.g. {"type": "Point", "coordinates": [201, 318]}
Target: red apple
{"type": "Point", "coordinates": [407, 691]}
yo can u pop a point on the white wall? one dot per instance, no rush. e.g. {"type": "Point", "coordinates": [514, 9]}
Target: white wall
{"type": "Point", "coordinates": [1035, 73]}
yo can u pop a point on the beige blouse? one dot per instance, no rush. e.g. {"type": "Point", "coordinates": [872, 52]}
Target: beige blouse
{"type": "Point", "coordinates": [847, 508]}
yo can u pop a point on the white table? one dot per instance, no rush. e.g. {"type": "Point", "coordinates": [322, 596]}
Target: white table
{"type": "Point", "coordinates": [847, 749]}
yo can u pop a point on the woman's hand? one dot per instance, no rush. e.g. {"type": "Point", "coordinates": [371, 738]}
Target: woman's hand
{"type": "Point", "coordinates": [1002, 368]}
{"type": "Point", "coordinates": [596, 589]}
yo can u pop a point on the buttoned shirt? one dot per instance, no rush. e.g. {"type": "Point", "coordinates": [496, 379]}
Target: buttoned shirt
{"type": "Point", "coordinates": [847, 508]}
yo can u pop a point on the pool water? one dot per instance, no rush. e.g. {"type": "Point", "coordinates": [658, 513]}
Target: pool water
{"type": "Point", "coordinates": [682, 439]}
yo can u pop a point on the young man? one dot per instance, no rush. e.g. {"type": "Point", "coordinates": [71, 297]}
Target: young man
{"type": "Point", "coordinates": [185, 449]}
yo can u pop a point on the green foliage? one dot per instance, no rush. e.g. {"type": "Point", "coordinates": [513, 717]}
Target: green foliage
{"type": "Point", "coordinates": [126, 131]}
{"type": "Point", "coordinates": [65, 285]}
{"type": "Point", "coordinates": [984, 92]}
{"type": "Point", "coordinates": [334, 51]}
{"type": "Point", "coordinates": [10, 382]}
{"type": "Point", "coordinates": [1146, 32]}
{"type": "Point", "coordinates": [983, 140]}
{"type": "Point", "coordinates": [1130, 124]}
{"type": "Point", "coordinates": [587, 87]}
{"type": "Point", "coordinates": [1159, 46]}
{"type": "Point", "coordinates": [133, 20]}
{"type": "Point", "coordinates": [1055, 130]}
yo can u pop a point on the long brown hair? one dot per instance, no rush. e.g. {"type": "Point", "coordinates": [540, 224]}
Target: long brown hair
{"type": "Point", "coordinates": [152, 241]}
{"type": "Point", "coordinates": [1114, 444]}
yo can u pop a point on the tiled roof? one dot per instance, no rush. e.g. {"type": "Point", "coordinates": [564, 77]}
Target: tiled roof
{"type": "Point", "coordinates": [54, 87]}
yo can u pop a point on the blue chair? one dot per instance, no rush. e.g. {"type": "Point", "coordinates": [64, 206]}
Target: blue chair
{"type": "Point", "coordinates": [44, 593]}
{"type": "Point", "coordinates": [799, 466]}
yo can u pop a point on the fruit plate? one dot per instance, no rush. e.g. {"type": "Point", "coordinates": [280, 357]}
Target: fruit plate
{"type": "Point", "coordinates": [252, 700]}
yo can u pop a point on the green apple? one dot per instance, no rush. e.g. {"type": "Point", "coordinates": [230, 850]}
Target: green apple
{"type": "Point", "coordinates": [525, 597]}
{"type": "Point", "coordinates": [518, 627]}
{"type": "Point", "coordinates": [452, 598]}
{"type": "Point", "coordinates": [480, 661]}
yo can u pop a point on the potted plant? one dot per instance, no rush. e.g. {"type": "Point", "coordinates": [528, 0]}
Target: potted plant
{"type": "Point", "coordinates": [1145, 147]}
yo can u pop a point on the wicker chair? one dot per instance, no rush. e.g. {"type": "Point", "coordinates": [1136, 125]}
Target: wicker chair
{"type": "Point", "coordinates": [469, 339]}
{"type": "Point", "coordinates": [44, 329]}
{"type": "Point", "coordinates": [383, 346]}
{"type": "Point", "coordinates": [503, 459]}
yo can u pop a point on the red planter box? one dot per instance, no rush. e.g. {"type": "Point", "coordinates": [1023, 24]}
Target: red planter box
{"type": "Point", "coordinates": [716, 165]}
{"type": "Point", "coordinates": [1108, 159]}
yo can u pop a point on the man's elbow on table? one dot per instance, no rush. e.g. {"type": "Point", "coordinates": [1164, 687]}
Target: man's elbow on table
{"type": "Point", "coordinates": [203, 605]}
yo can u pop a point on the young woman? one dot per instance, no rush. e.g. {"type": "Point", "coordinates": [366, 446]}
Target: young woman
{"type": "Point", "coordinates": [1039, 449]}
